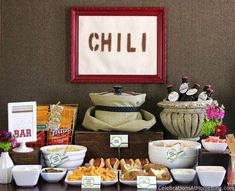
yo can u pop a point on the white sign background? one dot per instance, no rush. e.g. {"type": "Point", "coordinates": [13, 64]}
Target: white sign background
{"type": "Point", "coordinates": [22, 116]}
{"type": "Point", "coordinates": [113, 62]}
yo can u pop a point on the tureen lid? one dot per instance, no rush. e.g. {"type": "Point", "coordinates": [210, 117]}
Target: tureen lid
{"type": "Point", "coordinates": [117, 97]}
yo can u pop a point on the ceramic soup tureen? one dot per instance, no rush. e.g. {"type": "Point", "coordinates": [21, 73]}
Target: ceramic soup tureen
{"type": "Point", "coordinates": [118, 111]}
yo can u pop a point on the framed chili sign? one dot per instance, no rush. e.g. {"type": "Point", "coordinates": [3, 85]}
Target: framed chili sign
{"type": "Point", "coordinates": [124, 45]}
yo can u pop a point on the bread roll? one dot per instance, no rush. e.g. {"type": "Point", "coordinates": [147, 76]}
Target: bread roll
{"type": "Point", "coordinates": [112, 163]}
{"type": "Point", "coordinates": [126, 164]}
{"type": "Point", "coordinates": [132, 174]}
{"type": "Point", "coordinates": [98, 162]}
{"type": "Point", "coordinates": [148, 166]}
{"type": "Point", "coordinates": [162, 174]}
{"type": "Point", "coordinates": [144, 161]}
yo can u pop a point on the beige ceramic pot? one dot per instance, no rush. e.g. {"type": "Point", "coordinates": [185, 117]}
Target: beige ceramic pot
{"type": "Point", "coordinates": [118, 111]}
{"type": "Point", "coordinates": [183, 119]}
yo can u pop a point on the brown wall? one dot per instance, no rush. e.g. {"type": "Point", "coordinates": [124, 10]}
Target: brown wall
{"type": "Point", "coordinates": [35, 52]}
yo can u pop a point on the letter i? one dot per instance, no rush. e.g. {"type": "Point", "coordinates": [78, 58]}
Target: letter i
{"type": "Point", "coordinates": [119, 42]}
{"type": "Point", "coordinates": [144, 42]}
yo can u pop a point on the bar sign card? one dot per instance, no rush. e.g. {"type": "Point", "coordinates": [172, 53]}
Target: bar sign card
{"type": "Point", "coordinates": [22, 122]}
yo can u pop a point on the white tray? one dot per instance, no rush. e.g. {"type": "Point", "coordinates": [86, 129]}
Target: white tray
{"type": "Point", "coordinates": [79, 182]}
{"type": "Point", "coordinates": [134, 182]}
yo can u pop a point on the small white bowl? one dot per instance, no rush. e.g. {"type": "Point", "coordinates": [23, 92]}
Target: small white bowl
{"type": "Point", "coordinates": [183, 175]}
{"type": "Point", "coordinates": [53, 176]}
{"type": "Point", "coordinates": [26, 175]}
{"type": "Point", "coordinates": [214, 146]}
{"type": "Point", "coordinates": [210, 175]}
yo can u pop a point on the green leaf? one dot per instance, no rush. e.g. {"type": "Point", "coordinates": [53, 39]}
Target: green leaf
{"type": "Point", "coordinates": [5, 146]}
{"type": "Point", "coordinates": [208, 127]}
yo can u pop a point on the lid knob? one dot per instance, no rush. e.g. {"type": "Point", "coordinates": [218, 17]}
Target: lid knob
{"type": "Point", "coordinates": [117, 89]}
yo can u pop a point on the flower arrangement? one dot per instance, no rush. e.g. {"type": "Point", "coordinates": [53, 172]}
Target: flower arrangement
{"type": "Point", "coordinates": [213, 123]}
{"type": "Point", "coordinates": [7, 140]}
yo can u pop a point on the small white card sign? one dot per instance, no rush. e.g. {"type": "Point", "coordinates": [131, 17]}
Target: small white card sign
{"type": "Point", "coordinates": [118, 140]}
{"type": "Point", "coordinates": [175, 152]}
{"type": "Point", "coordinates": [146, 182]}
{"type": "Point", "coordinates": [56, 159]}
{"type": "Point", "coordinates": [22, 122]}
{"type": "Point", "coordinates": [91, 182]}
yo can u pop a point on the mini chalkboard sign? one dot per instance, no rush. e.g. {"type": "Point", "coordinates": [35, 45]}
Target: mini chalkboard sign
{"type": "Point", "coordinates": [22, 122]}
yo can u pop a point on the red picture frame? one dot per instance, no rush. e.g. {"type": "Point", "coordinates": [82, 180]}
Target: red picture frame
{"type": "Point", "coordinates": [81, 16]}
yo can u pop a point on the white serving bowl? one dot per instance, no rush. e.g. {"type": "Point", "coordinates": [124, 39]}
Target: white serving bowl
{"type": "Point", "coordinates": [26, 175]}
{"type": "Point", "coordinates": [75, 157]}
{"type": "Point", "coordinates": [214, 146]}
{"type": "Point", "coordinates": [183, 175]}
{"type": "Point", "coordinates": [53, 176]}
{"type": "Point", "coordinates": [157, 153]}
{"type": "Point", "coordinates": [210, 175]}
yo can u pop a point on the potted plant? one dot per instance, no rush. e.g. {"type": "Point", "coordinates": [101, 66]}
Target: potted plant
{"type": "Point", "coordinates": [7, 141]}
{"type": "Point", "coordinates": [214, 128]}
{"type": "Point", "coordinates": [213, 122]}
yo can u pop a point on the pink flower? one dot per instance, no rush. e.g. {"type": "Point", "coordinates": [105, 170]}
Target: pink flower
{"type": "Point", "coordinates": [213, 112]}
{"type": "Point", "coordinates": [213, 123]}
{"type": "Point", "coordinates": [221, 113]}
{"type": "Point", "coordinates": [14, 143]}
{"type": "Point", "coordinates": [210, 112]}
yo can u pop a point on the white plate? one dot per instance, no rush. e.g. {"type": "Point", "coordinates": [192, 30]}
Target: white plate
{"type": "Point", "coordinates": [134, 182]}
{"type": "Point", "coordinates": [79, 182]}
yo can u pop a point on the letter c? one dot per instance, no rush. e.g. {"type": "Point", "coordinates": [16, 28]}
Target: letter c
{"type": "Point", "coordinates": [93, 48]}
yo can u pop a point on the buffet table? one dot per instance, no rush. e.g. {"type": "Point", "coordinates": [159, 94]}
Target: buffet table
{"type": "Point", "coordinates": [136, 141]}
{"type": "Point", "coordinates": [61, 186]}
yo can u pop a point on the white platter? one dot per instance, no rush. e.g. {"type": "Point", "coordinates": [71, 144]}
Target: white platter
{"type": "Point", "coordinates": [79, 182]}
{"type": "Point", "coordinates": [134, 182]}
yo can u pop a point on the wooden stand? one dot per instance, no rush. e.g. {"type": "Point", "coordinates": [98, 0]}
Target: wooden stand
{"type": "Point", "coordinates": [207, 158]}
{"type": "Point", "coordinates": [26, 158]}
{"type": "Point", "coordinates": [98, 144]}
